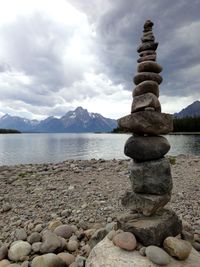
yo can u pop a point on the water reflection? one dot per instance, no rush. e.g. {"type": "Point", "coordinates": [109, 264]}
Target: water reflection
{"type": "Point", "coordinates": [38, 148]}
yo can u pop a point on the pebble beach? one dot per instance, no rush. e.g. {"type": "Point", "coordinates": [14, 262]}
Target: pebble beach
{"type": "Point", "coordinates": [84, 194]}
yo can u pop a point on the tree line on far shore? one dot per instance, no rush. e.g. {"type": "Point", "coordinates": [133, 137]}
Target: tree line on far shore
{"type": "Point", "coordinates": [187, 124]}
{"type": "Point", "coordinates": [7, 131]}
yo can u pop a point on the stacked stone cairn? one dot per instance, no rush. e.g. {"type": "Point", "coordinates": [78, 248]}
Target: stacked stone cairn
{"type": "Point", "coordinates": [150, 173]}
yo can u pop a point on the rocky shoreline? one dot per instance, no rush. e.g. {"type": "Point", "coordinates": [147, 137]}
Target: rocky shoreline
{"type": "Point", "coordinates": [84, 194]}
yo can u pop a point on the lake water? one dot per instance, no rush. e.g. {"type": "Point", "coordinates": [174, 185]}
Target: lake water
{"type": "Point", "coordinates": [41, 148]}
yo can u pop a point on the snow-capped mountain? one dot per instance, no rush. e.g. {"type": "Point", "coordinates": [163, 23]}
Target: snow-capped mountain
{"type": "Point", "coordinates": [192, 110]}
{"type": "Point", "coordinates": [79, 120]}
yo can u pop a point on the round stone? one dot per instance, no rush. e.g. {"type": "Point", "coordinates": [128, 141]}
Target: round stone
{"type": "Point", "coordinates": [72, 245]}
{"type": "Point", "coordinates": [67, 258]}
{"type": "Point", "coordinates": [18, 250]}
{"type": "Point", "coordinates": [145, 101]}
{"type": "Point", "coordinates": [146, 87]}
{"type": "Point", "coordinates": [177, 247]}
{"type": "Point", "coordinates": [48, 260]}
{"type": "Point", "coordinates": [147, 58]}
{"type": "Point", "coordinates": [147, 46]}
{"type": "Point", "coordinates": [146, 76]}
{"type": "Point", "coordinates": [64, 231]}
{"type": "Point", "coordinates": [157, 255]}
{"type": "Point", "coordinates": [20, 234]}
{"type": "Point", "coordinates": [4, 263]}
{"type": "Point", "coordinates": [143, 148]}
{"type": "Point", "coordinates": [125, 240]}
{"type": "Point", "coordinates": [149, 66]}
{"type": "Point", "coordinates": [34, 237]}
{"type": "Point", "coordinates": [148, 23]}
{"type": "Point", "coordinates": [148, 38]}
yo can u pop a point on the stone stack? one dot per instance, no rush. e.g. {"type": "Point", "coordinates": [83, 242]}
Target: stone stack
{"type": "Point", "coordinates": [150, 173]}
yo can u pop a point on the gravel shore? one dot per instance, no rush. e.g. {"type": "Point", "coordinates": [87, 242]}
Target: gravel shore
{"type": "Point", "coordinates": [84, 192]}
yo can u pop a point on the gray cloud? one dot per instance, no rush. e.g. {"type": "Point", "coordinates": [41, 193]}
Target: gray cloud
{"type": "Point", "coordinates": [47, 67]}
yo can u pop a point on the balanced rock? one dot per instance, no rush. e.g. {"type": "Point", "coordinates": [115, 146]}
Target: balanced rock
{"type": "Point", "coordinates": [148, 38]}
{"type": "Point", "coordinates": [143, 148]}
{"type": "Point", "coordinates": [146, 204]}
{"type": "Point", "coordinates": [147, 46]}
{"type": "Point", "coordinates": [146, 100]}
{"type": "Point", "coordinates": [151, 177]}
{"type": "Point", "coordinates": [147, 122]}
{"type": "Point", "coordinates": [147, 76]}
{"type": "Point", "coordinates": [149, 66]}
{"type": "Point", "coordinates": [151, 230]}
{"type": "Point", "coordinates": [18, 250]}
{"type": "Point", "coordinates": [48, 260]}
{"type": "Point", "coordinates": [146, 87]}
{"type": "Point", "coordinates": [125, 241]}
{"type": "Point", "coordinates": [147, 52]}
{"type": "Point", "coordinates": [157, 255]}
{"type": "Point", "coordinates": [147, 58]}
{"type": "Point", "coordinates": [177, 247]}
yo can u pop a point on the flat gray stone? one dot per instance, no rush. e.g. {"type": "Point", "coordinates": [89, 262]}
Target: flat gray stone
{"type": "Point", "coordinates": [144, 203]}
{"type": "Point", "coordinates": [147, 58]}
{"type": "Point", "coordinates": [151, 177]}
{"type": "Point", "coordinates": [147, 52]}
{"type": "Point", "coordinates": [146, 87]}
{"type": "Point", "coordinates": [151, 230]}
{"type": "Point", "coordinates": [147, 76]}
{"type": "Point", "coordinates": [143, 148]}
{"type": "Point", "coordinates": [148, 38]}
{"type": "Point", "coordinates": [149, 66]}
{"type": "Point", "coordinates": [157, 255]}
{"type": "Point", "coordinates": [147, 122]}
{"type": "Point", "coordinates": [144, 101]}
{"type": "Point", "coordinates": [147, 46]}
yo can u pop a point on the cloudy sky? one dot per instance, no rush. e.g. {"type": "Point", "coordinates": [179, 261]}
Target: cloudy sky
{"type": "Point", "coordinates": [57, 55]}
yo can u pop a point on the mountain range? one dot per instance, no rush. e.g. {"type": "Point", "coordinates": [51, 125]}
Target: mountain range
{"type": "Point", "coordinates": [79, 120]}
{"type": "Point", "coordinates": [192, 110]}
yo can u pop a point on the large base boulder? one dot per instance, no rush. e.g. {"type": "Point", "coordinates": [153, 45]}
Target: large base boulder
{"type": "Point", "coordinates": [106, 254]}
{"type": "Point", "coordinates": [154, 229]}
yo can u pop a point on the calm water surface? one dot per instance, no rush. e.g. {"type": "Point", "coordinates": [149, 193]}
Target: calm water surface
{"type": "Point", "coordinates": [41, 148]}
